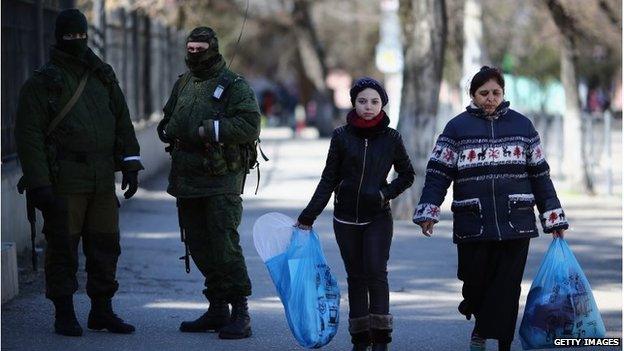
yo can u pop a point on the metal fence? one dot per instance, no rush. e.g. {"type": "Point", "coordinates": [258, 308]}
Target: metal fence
{"type": "Point", "coordinates": [27, 29]}
{"type": "Point", "coordinates": [147, 56]}
{"type": "Point", "coordinates": [603, 146]}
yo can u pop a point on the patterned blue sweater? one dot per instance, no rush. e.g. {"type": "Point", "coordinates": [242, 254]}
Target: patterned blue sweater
{"type": "Point", "coordinates": [499, 173]}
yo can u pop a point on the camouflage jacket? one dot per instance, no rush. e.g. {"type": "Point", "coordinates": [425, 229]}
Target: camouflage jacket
{"type": "Point", "coordinates": [95, 139]}
{"type": "Point", "coordinates": [213, 164]}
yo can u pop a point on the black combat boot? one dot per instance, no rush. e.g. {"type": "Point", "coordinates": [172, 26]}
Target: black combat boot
{"type": "Point", "coordinates": [103, 317]}
{"type": "Point", "coordinates": [217, 316]}
{"type": "Point", "coordinates": [240, 324]}
{"type": "Point", "coordinates": [65, 322]}
{"type": "Point", "coordinates": [381, 330]}
{"type": "Point", "coordinates": [359, 328]}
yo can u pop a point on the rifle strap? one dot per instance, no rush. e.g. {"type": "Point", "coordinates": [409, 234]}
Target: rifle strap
{"type": "Point", "coordinates": [72, 101]}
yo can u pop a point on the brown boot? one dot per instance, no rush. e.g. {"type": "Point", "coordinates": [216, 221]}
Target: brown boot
{"type": "Point", "coordinates": [359, 328]}
{"type": "Point", "coordinates": [381, 331]}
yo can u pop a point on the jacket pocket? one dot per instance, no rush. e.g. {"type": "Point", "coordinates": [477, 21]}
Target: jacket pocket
{"type": "Point", "coordinates": [520, 213]}
{"type": "Point", "coordinates": [467, 218]}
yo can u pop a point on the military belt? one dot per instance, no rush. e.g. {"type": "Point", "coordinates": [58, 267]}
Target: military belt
{"type": "Point", "coordinates": [186, 147]}
{"type": "Point", "coordinates": [81, 157]}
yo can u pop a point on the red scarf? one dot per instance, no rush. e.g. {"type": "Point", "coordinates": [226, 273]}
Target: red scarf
{"type": "Point", "coordinates": [359, 122]}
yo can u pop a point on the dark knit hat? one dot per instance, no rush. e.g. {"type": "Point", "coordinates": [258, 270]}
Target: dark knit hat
{"type": "Point", "coordinates": [68, 22]}
{"type": "Point", "coordinates": [368, 82]}
{"type": "Point", "coordinates": [204, 35]}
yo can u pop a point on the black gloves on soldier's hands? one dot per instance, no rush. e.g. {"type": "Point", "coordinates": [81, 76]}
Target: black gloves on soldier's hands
{"type": "Point", "coordinates": [130, 179]}
{"type": "Point", "coordinates": [161, 131]}
{"type": "Point", "coordinates": [42, 197]}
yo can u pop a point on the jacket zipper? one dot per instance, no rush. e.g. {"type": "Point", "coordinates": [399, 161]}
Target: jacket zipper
{"type": "Point", "coordinates": [338, 190]}
{"type": "Point", "coordinates": [357, 205]}
{"type": "Point", "coordinates": [494, 191]}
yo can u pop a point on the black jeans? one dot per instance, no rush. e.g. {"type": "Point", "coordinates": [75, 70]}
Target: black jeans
{"type": "Point", "coordinates": [365, 250]}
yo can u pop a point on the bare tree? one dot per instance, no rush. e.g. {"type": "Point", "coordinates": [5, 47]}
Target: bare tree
{"type": "Point", "coordinates": [425, 30]}
{"type": "Point", "coordinates": [575, 154]}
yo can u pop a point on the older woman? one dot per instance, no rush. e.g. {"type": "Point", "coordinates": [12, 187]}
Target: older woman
{"type": "Point", "coordinates": [494, 159]}
{"type": "Point", "coordinates": [360, 156]}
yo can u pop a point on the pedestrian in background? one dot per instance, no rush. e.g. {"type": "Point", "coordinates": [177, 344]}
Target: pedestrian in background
{"type": "Point", "coordinates": [361, 154]}
{"type": "Point", "coordinates": [494, 158]}
{"type": "Point", "coordinates": [73, 132]}
{"type": "Point", "coordinates": [212, 121]}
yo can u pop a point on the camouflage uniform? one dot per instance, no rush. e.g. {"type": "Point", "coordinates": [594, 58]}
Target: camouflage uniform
{"type": "Point", "coordinates": [214, 143]}
{"type": "Point", "coordinates": [207, 175]}
{"type": "Point", "coordinates": [79, 160]}
{"type": "Point", "coordinates": [69, 171]}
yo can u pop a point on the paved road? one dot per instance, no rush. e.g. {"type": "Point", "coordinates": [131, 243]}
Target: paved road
{"type": "Point", "coordinates": [156, 294]}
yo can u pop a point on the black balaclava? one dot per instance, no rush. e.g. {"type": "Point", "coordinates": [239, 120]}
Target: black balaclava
{"type": "Point", "coordinates": [71, 21]}
{"type": "Point", "coordinates": [203, 60]}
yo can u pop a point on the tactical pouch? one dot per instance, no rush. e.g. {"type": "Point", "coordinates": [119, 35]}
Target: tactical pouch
{"type": "Point", "coordinates": [214, 160]}
{"type": "Point", "coordinates": [233, 157]}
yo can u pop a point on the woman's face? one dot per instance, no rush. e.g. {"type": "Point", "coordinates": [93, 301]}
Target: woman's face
{"type": "Point", "coordinates": [368, 104]}
{"type": "Point", "coordinates": [488, 96]}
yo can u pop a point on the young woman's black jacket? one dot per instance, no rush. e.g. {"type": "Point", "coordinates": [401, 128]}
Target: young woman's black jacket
{"type": "Point", "coordinates": [357, 166]}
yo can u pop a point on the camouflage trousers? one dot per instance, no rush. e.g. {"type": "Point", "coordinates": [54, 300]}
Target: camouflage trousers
{"type": "Point", "coordinates": [211, 225]}
{"type": "Point", "coordinates": [94, 218]}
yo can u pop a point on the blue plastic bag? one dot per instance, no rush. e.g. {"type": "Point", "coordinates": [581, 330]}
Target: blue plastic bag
{"type": "Point", "coordinates": [560, 303]}
{"type": "Point", "coordinates": [307, 289]}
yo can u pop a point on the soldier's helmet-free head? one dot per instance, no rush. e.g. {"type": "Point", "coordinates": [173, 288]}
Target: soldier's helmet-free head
{"type": "Point", "coordinates": [202, 49]}
{"type": "Point", "coordinates": [71, 32]}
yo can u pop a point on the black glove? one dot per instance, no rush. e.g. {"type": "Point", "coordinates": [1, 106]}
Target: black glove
{"type": "Point", "coordinates": [42, 198]}
{"type": "Point", "coordinates": [130, 179]}
{"type": "Point", "coordinates": [161, 130]}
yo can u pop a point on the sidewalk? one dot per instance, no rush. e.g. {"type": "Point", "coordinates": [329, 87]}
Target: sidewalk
{"type": "Point", "coordinates": [156, 294]}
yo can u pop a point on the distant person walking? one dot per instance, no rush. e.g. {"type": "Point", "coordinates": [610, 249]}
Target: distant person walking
{"type": "Point", "coordinates": [361, 154]}
{"type": "Point", "coordinates": [494, 157]}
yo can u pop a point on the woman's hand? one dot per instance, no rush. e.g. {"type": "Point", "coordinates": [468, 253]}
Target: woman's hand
{"type": "Point", "coordinates": [302, 226]}
{"type": "Point", "coordinates": [427, 227]}
{"type": "Point", "coordinates": [559, 233]}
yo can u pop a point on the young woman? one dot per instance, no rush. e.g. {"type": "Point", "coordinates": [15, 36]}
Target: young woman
{"type": "Point", "coordinates": [493, 156]}
{"type": "Point", "coordinates": [361, 154]}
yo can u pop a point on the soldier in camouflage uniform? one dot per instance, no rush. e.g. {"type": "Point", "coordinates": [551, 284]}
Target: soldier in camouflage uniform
{"type": "Point", "coordinates": [69, 173]}
{"type": "Point", "coordinates": [209, 163]}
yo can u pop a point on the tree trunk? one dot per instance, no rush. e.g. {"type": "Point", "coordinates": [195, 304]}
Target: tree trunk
{"type": "Point", "coordinates": [575, 153]}
{"type": "Point", "coordinates": [309, 45]}
{"type": "Point", "coordinates": [474, 53]}
{"type": "Point", "coordinates": [99, 28]}
{"type": "Point", "coordinates": [425, 28]}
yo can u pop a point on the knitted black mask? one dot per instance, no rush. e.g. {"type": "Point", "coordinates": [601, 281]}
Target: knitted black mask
{"type": "Point", "coordinates": [71, 21]}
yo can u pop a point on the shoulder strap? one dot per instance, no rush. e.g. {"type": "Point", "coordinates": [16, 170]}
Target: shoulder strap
{"type": "Point", "coordinates": [184, 79]}
{"type": "Point", "coordinates": [70, 103]}
{"type": "Point", "coordinates": [224, 82]}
